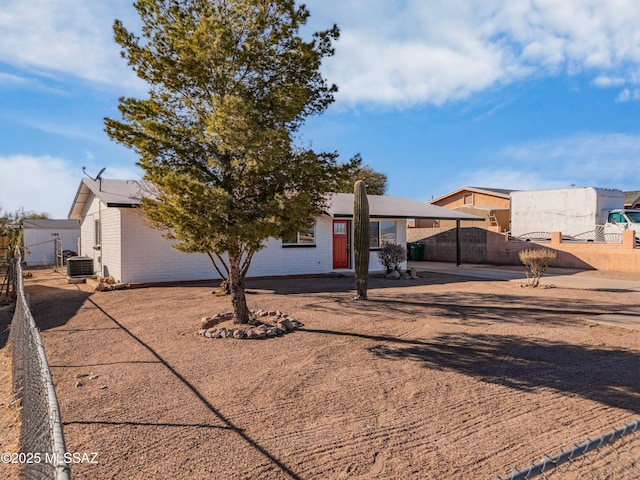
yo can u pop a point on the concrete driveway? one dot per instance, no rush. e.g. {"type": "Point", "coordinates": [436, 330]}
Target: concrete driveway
{"type": "Point", "coordinates": [555, 277]}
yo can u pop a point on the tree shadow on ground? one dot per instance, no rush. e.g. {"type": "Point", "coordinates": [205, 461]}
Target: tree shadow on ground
{"type": "Point", "coordinates": [608, 376]}
{"type": "Point", "coordinates": [346, 283]}
{"type": "Point", "coordinates": [605, 375]}
{"type": "Point", "coordinates": [284, 471]}
{"type": "Point", "coordinates": [53, 307]}
{"type": "Point", "coordinates": [467, 307]}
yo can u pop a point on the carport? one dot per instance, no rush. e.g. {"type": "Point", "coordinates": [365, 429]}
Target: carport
{"type": "Point", "coordinates": [384, 206]}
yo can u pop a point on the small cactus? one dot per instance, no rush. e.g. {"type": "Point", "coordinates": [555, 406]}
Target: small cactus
{"type": "Point", "coordinates": [361, 238]}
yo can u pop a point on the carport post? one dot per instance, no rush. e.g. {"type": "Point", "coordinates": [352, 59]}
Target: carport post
{"type": "Point", "coordinates": [457, 243]}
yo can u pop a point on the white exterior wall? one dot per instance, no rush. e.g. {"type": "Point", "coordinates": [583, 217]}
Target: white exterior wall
{"type": "Point", "coordinates": [111, 245]}
{"type": "Point", "coordinates": [275, 259]}
{"type": "Point", "coordinates": [401, 239]}
{"type": "Point", "coordinates": [106, 259]}
{"type": "Point", "coordinates": [145, 256]}
{"type": "Point", "coordinates": [40, 244]}
{"type": "Point", "coordinates": [148, 257]}
{"type": "Point", "coordinates": [87, 239]}
{"type": "Point", "coordinates": [571, 211]}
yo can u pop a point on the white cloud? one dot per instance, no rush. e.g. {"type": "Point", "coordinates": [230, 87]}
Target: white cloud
{"type": "Point", "coordinates": [8, 79]}
{"type": "Point", "coordinates": [390, 53]}
{"type": "Point", "coordinates": [73, 37]}
{"type": "Point", "coordinates": [627, 95]}
{"type": "Point", "coordinates": [596, 160]}
{"type": "Point", "coordinates": [68, 130]}
{"type": "Point", "coordinates": [41, 184]}
{"type": "Point", "coordinates": [415, 52]}
{"type": "Point", "coordinates": [608, 81]}
{"type": "Point", "coordinates": [599, 160]}
{"type": "Point", "coordinates": [511, 179]}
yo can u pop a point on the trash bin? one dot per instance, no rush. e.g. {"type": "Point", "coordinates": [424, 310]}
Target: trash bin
{"type": "Point", "coordinates": [414, 250]}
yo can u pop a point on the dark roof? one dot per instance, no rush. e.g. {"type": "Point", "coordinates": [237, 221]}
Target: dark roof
{"type": "Point", "coordinates": [51, 224]}
{"type": "Point", "coordinates": [128, 194]}
{"type": "Point", "coordinates": [113, 193]}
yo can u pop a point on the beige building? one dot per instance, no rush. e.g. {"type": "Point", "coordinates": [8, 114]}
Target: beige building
{"type": "Point", "coordinates": [492, 204]}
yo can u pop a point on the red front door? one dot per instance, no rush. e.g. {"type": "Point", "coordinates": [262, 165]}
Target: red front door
{"type": "Point", "coordinates": [340, 244]}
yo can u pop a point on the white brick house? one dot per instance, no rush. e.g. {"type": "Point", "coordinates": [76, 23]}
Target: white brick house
{"type": "Point", "coordinates": [115, 233]}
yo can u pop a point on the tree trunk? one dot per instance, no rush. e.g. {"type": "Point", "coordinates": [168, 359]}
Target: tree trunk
{"type": "Point", "coordinates": [238, 298]}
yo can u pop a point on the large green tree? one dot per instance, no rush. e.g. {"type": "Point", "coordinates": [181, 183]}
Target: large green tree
{"type": "Point", "coordinates": [230, 84]}
{"type": "Point", "coordinates": [376, 182]}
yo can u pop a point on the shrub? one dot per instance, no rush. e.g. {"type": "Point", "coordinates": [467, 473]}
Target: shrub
{"type": "Point", "coordinates": [391, 256]}
{"type": "Point", "coordinates": [536, 262]}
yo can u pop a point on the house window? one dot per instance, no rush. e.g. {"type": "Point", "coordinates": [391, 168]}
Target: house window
{"type": "Point", "coordinates": [339, 228]}
{"type": "Point", "coordinates": [468, 199]}
{"type": "Point", "coordinates": [382, 233]}
{"type": "Point", "coordinates": [97, 233]}
{"type": "Point", "coordinates": [306, 238]}
{"type": "Point", "coordinates": [374, 234]}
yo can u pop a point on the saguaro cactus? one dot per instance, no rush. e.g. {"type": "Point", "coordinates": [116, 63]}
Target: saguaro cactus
{"type": "Point", "coordinates": [361, 238]}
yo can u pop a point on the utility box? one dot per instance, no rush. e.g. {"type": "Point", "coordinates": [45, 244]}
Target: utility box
{"type": "Point", "coordinates": [80, 267]}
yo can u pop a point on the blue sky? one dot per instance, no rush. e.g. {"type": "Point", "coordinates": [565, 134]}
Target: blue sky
{"type": "Point", "coordinates": [437, 94]}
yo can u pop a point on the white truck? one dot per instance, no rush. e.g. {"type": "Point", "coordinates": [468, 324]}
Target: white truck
{"type": "Point", "coordinates": [583, 213]}
{"type": "Point", "coordinates": [620, 220]}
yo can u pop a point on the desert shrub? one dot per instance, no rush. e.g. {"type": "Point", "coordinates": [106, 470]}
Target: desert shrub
{"type": "Point", "coordinates": [536, 262]}
{"type": "Point", "coordinates": [391, 256]}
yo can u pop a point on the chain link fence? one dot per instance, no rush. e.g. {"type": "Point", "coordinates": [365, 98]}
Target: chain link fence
{"type": "Point", "coordinates": [614, 455]}
{"type": "Point", "coordinates": [42, 446]}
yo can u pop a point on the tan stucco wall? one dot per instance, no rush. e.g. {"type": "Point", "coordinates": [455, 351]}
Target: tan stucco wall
{"type": "Point", "coordinates": [484, 246]}
{"type": "Point", "coordinates": [481, 199]}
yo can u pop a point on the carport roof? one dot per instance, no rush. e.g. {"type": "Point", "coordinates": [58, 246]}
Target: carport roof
{"type": "Point", "coordinates": [383, 206]}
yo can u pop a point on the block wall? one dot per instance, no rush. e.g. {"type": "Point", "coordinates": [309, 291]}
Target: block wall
{"type": "Point", "coordinates": [490, 247]}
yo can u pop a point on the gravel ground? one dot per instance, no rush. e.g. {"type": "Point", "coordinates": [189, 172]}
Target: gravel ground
{"type": "Point", "coordinates": [9, 413]}
{"type": "Point", "coordinates": [439, 377]}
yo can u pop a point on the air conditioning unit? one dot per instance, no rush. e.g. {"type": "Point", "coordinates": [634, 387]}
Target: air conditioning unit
{"type": "Point", "coordinates": [79, 266]}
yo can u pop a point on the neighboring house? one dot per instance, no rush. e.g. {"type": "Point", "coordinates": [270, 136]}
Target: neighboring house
{"type": "Point", "coordinates": [40, 239]}
{"type": "Point", "coordinates": [492, 204]}
{"type": "Point", "coordinates": [122, 243]}
{"type": "Point", "coordinates": [632, 199]}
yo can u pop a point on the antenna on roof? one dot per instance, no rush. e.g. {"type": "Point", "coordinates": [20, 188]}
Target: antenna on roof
{"type": "Point", "coordinates": [98, 177]}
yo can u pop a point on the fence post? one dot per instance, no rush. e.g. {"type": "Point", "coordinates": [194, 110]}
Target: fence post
{"type": "Point", "coordinates": [629, 239]}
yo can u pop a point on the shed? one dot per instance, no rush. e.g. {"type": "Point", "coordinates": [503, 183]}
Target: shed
{"type": "Point", "coordinates": [40, 237]}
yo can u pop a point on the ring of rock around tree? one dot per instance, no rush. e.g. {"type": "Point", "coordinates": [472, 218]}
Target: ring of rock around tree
{"type": "Point", "coordinates": [262, 324]}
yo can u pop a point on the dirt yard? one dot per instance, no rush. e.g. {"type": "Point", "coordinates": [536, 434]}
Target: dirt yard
{"type": "Point", "coordinates": [9, 411]}
{"type": "Point", "coordinates": [440, 377]}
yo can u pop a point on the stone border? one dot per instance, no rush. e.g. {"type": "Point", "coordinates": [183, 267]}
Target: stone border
{"type": "Point", "coordinates": [262, 324]}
